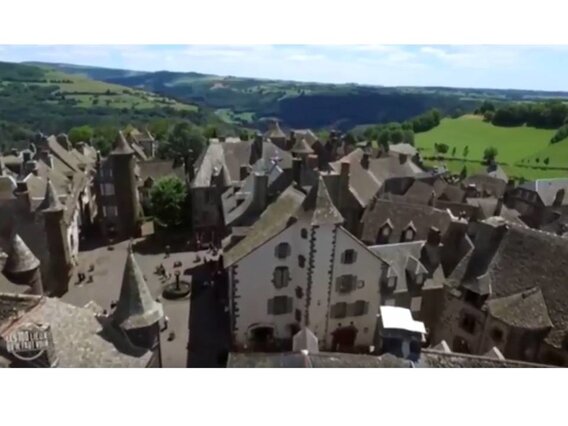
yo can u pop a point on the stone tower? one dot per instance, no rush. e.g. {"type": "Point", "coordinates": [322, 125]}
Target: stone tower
{"type": "Point", "coordinates": [125, 187]}
{"type": "Point", "coordinates": [22, 266]}
{"type": "Point", "coordinates": [137, 313]}
{"type": "Point", "coordinates": [60, 264]}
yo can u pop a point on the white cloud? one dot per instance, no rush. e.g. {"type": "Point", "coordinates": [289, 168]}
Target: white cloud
{"type": "Point", "coordinates": [476, 56]}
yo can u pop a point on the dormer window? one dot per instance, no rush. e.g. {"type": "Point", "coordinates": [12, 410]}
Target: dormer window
{"type": "Point", "coordinates": [384, 233]}
{"type": "Point", "coordinates": [409, 233]}
{"type": "Point", "coordinates": [388, 278]}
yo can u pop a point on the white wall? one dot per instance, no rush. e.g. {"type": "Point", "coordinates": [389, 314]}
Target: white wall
{"type": "Point", "coordinates": [254, 286]}
{"type": "Point", "coordinates": [367, 267]}
{"type": "Point", "coordinates": [73, 236]}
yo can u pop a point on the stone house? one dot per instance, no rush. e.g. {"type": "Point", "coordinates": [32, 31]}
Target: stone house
{"type": "Point", "coordinates": [509, 292]}
{"type": "Point", "coordinates": [540, 201]}
{"type": "Point", "coordinates": [116, 186]}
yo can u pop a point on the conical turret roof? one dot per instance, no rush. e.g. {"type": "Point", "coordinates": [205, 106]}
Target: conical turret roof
{"type": "Point", "coordinates": [135, 307]}
{"type": "Point", "coordinates": [121, 146]}
{"type": "Point", "coordinates": [274, 131]}
{"type": "Point", "coordinates": [20, 257]}
{"type": "Point", "coordinates": [50, 200]}
{"type": "Point", "coordinates": [301, 147]}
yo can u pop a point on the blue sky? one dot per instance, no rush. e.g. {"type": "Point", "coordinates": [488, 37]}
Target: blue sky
{"type": "Point", "coordinates": [491, 66]}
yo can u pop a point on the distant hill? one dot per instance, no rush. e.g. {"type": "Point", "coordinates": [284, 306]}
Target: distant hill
{"type": "Point", "coordinates": [249, 101]}
{"type": "Point", "coordinates": [43, 98]}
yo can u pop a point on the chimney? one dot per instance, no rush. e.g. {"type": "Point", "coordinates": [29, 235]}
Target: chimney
{"type": "Point", "coordinates": [313, 161]}
{"type": "Point", "coordinates": [365, 160]}
{"type": "Point", "coordinates": [46, 157]}
{"type": "Point", "coordinates": [260, 191]}
{"type": "Point", "coordinates": [297, 170]}
{"type": "Point", "coordinates": [256, 149]}
{"type": "Point", "coordinates": [430, 256]}
{"type": "Point", "coordinates": [26, 156]}
{"type": "Point", "coordinates": [471, 191]}
{"type": "Point", "coordinates": [244, 172]}
{"type": "Point", "coordinates": [498, 207]}
{"type": "Point", "coordinates": [188, 165]}
{"type": "Point", "coordinates": [31, 167]}
{"type": "Point", "coordinates": [344, 184]}
{"type": "Point", "coordinates": [80, 146]}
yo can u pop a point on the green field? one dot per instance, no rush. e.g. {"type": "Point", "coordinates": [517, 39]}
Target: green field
{"type": "Point", "coordinates": [514, 144]}
{"type": "Point", "coordinates": [89, 93]}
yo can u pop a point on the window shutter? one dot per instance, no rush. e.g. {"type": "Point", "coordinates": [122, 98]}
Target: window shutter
{"type": "Point", "coordinates": [352, 282]}
{"type": "Point", "coordinates": [343, 257]}
{"type": "Point", "coordinates": [351, 309]}
{"type": "Point", "coordinates": [354, 256]}
{"type": "Point", "coordinates": [270, 307]}
{"type": "Point", "coordinates": [290, 305]}
{"type": "Point", "coordinates": [366, 308]}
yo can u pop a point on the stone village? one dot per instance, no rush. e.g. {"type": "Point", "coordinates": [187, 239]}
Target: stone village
{"type": "Point", "coordinates": [302, 252]}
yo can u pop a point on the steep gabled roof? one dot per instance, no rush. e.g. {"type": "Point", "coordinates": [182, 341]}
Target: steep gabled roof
{"type": "Point", "coordinates": [62, 154]}
{"type": "Point", "coordinates": [320, 207]}
{"type": "Point", "coordinates": [274, 131]}
{"type": "Point", "coordinates": [524, 310]}
{"type": "Point", "coordinates": [136, 308]}
{"type": "Point", "coordinates": [273, 221]}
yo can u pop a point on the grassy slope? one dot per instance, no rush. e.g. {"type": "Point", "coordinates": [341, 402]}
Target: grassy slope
{"type": "Point", "coordinates": [513, 145]}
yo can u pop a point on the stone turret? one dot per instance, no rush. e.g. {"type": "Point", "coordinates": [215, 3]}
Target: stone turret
{"type": "Point", "coordinates": [137, 313]}
{"type": "Point", "coordinates": [22, 266]}
{"type": "Point", "coordinates": [60, 265]}
{"type": "Point", "coordinates": [125, 186]}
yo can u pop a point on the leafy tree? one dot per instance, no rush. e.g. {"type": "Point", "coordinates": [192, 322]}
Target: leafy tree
{"type": "Point", "coordinates": [485, 107]}
{"type": "Point", "coordinates": [454, 151]}
{"type": "Point", "coordinates": [466, 151]}
{"type": "Point", "coordinates": [463, 173]}
{"type": "Point", "coordinates": [561, 134]}
{"type": "Point", "coordinates": [442, 148]}
{"type": "Point", "coordinates": [183, 137]}
{"type": "Point", "coordinates": [408, 136]}
{"type": "Point", "coordinates": [546, 161]}
{"type": "Point", "coordinates": [244, 135]}
{"type": "Point", "coordinates": [396, 136]}
{"type": "Point", "coordinates": [490, 153]}
{"type": "Point", "coordinates": [82, 133]}
{"type": "Point", "coordinates": [167, 199]}
{"type": "Point", "coordinates": [104, 137]}
{"type": "Point", "coordinates": [384, 138]}
{"type": "Point", "coordinates": [211, 132]}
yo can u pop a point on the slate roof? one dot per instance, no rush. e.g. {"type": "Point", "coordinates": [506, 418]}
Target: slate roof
{"type": "Point", "coordinates": [136, 308]}
{"type": "Point", "coordinates": [274, 131]}
{"type": "Point", "coordinates": [523, 310]}
{"type": "Point", "coordinates": [301, 146]}
{"type": "Point", "coordinates": [7, 187]}
{"type": "Point", "coordinates": [272, 221]}
{"type": "Point", "coordinates": [547, 189]}
{"type": "Point", "coordinates": [81, 339]}
{"type": "Point", "coordinates": [121, 146]}
{"type": "Point", "coordinates": [364, 184]}
{"type": "Point", "coordinates": [314, 360]}
{"type": "Point", "coordinates": [487, 184]}
{"type": "Point", "coordinates": [221, 158]}
{"type": "Point", "coordinates": [518, 261]}
{"type": "Point", "coordinates": [400, 215]}
{"type": "Point", "coordinates": [403, 148]}
{"type": "Point", "coordinates": [397, 255]}
{"type": "Point", "coordinates": [157, 169]}
{"type": "Point", "coordinates": [433, 358]}
{"type": "Point", "coordinates": [50, 201]}
{"type": "Point", "coordinates": [20, 257]}
{"type": "Point", "coordinates": [306, 134]}
{"type": "Point", "coordinates": [430, 358]}
{"type": "Point", "coordinates": [495, 171]}
{"type": "Point", "coordinates": [62, 154]}
{"type": "Point", "coordinates": [320, 207]}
